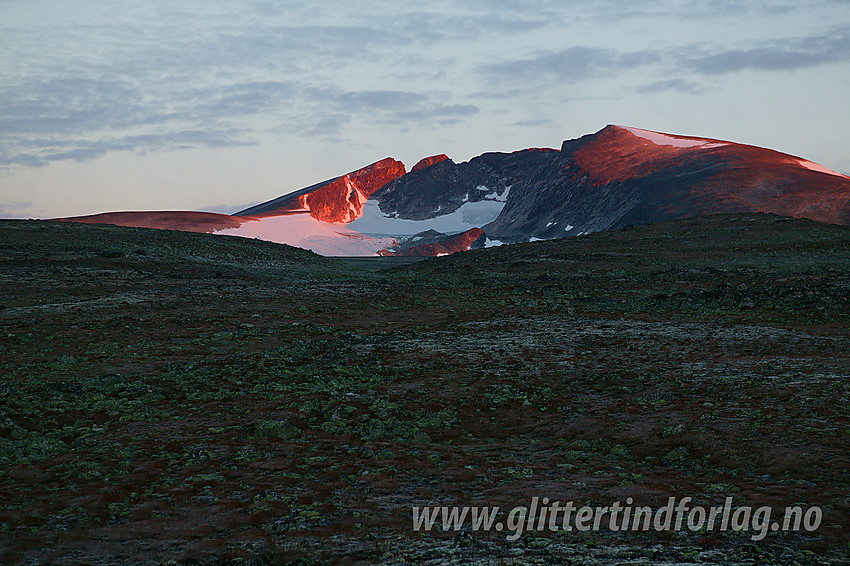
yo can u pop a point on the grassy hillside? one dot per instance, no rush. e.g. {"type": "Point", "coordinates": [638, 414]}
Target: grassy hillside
{"type": "Point", "coordinates": [176, 396]}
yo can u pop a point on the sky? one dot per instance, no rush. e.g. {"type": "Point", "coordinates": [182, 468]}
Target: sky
{"type": "Point", "coordinates": [108, 105]}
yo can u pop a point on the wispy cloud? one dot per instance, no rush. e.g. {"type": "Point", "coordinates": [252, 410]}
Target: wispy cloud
{"type": "Point", "coordinates": [789, 54]}
{"type": "Point", "coordinates": [678, 68]}
{"type": "Point", "coordinates": [571, 65]}
{"type": "Point", "coordinates": [17, 209]}
{"type": "Point", "coordinates": [672, 85]}
{"type": "Point", "coordinates": [373, 100]}
{"type": "Point", "coordinates": [42, 151]}
{"type": "Point", "coordinates": [531, 123]}
{"type": "Point", "coordinates": [79, 91]}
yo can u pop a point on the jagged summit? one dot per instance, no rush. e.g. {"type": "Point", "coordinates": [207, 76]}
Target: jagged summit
{"type": "Point", "coordinates": [426, 162]}
{"type": "Point", "coordinates": [337, 200]}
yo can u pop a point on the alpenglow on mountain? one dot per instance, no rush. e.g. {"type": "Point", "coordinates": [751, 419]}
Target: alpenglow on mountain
{"type": "Point", "coordinates": [616, 177]}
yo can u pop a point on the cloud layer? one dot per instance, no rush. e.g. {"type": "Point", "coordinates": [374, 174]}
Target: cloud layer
{"type": "Point", "coordinates": [88, 81]}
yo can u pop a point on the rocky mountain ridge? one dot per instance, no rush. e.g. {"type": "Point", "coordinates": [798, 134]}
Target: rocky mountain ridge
{"type": "Point", "coordinates": [616, 177]}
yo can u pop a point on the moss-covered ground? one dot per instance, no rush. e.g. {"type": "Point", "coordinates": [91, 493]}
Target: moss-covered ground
{"type": "Point", "coordinates": [172, 397]}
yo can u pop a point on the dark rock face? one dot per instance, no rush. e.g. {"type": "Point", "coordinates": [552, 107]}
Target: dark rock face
{"type": "Point", "coordinates": [615, 178]}
{"type": "Point", "coordinates": [432, 243]}
{"type": "Point", "coordinates": [443, 187]}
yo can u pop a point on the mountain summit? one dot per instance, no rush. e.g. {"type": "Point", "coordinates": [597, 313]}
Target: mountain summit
{"type": "Point", "coordinates": [616, 177]}
{"type": "Point", "coordinates": [337, 200]}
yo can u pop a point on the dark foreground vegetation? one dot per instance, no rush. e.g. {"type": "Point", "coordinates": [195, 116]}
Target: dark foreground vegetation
{"type": "Point", "coordinates": [170, 397]}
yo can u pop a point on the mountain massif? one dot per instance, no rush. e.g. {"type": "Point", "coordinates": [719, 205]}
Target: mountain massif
{"type": "Point", "coordinates": [616, 177]}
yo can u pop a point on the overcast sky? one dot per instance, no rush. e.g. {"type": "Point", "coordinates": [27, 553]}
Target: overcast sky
{"type": "Point", "coordinates": [206, 105]}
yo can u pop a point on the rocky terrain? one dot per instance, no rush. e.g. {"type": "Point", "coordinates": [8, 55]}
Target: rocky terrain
{"type": "Point", "coordinates": [617, 177]}
{"type": "Point", "coordinates": [338, 200]}
{"type": "Point", "coordinates": [180, 398]}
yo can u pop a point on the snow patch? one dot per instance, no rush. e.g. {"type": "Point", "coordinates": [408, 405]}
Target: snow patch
{"type": "Point", "coordinates": [470, 215]}
{"type": "Point", "coordinates": [353, 209]}
{"type": "Point", "coordinates": [664, 139]}
{"type": "Point", "coordinates": [569, 227]}
{"type": "Point", "coordinates": [488, 243]}
{"type": "Point", "coordinates": [495, 195]}
{"type": "Point", "coordinates": [303, 201]}
{"type": "Point", "coordinates": [549, 224]}
{"type": "Point", "coordinates": [819, 168]}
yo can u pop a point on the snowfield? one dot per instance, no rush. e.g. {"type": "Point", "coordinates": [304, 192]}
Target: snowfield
{"type": "Point", "coordinates": [304, 231]}
{"type": "Point", "coordinates": [820, 168]}
{"type": "Point", "coordinates": [664, 139]}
